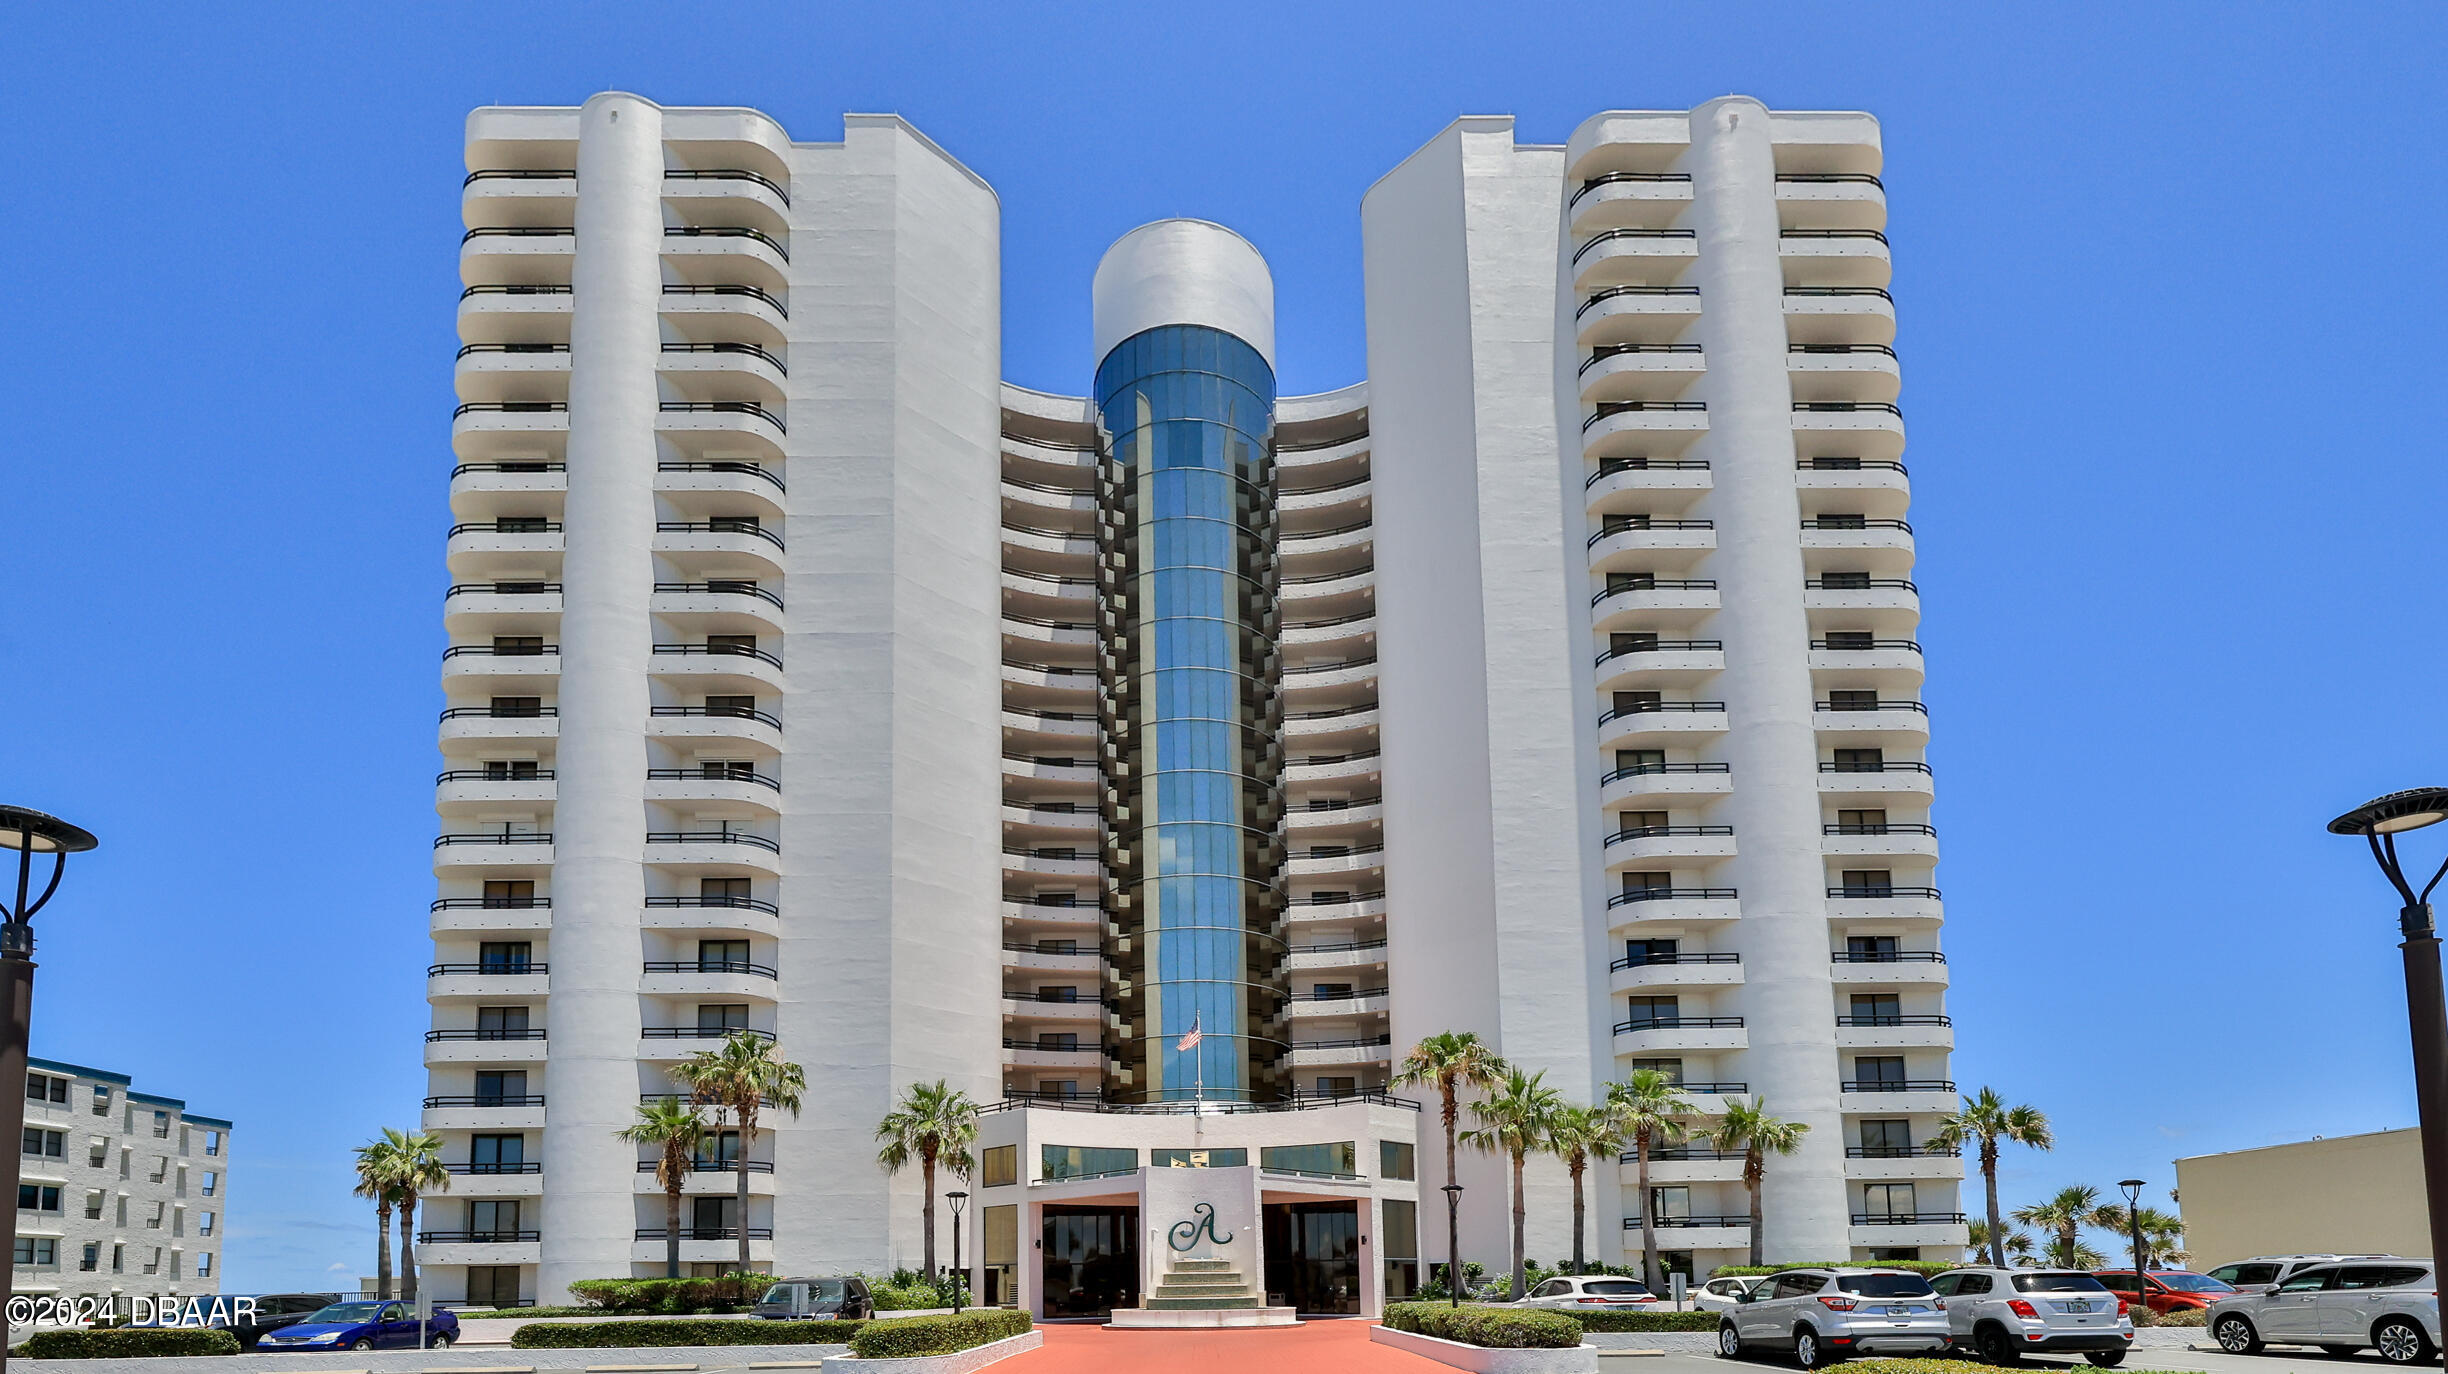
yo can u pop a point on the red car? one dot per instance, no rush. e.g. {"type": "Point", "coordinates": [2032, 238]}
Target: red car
{"type": "Point", "coordinates": [2171, 1290]}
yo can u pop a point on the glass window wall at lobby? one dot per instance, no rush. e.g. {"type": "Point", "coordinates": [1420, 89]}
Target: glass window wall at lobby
{"type": "Point", "coordinates": [1191, 703]}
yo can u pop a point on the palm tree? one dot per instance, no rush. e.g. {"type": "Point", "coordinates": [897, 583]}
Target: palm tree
{"type": "Point", "coordinates": [1649, 1110]}
{"type": "Point", "coordinates": [1515, 1120]}
{"type": "Point", "coordinates": [1452, 1060]}
{"type": "Point", "coordinates": [418, 1169]}
{"type": "Point", "coordinates": [2162, 1234]}
{"type": "Point", "coordinates": [675, 1133]}
{"type": "Point", "coordinates": [2072, 1208]}
{"type": "Point", "coordinates": [378, 1178]}
{"type": "Point", "coordinates": [933, 1122]}
{"type": "Point", "coordinates": [2014, 1242]}
{"type": "Point", "coordinates": [1987, 1119]}
{"type": "Point", "coordinates": [1747, 1126]}
{"type": "Point", "coordinates": [744, 1077]}
{"type": "Point", "coordinates": [1577, 1136]}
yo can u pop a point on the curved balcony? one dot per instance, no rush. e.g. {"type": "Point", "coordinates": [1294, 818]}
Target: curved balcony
{"type": "Point", "coordinates": [1636, 314]}
{"type": "Point", "coordinates": [1670, 971]}
{"type": "Point", "coordinates": [1046, 549]}
{"type": "Point", "coordinates": [475, 546]}
{"type": "Point", "coordinates": [1660, 661]}
{"type": "Point", "coordinates": [1677, 905]}
{"type": "Point", "coordinates": [1899, 969]}
{"type": "Point", "coordinates": [1344, 954]}
{"type": "Point", "coordinates": [473, 1112]}
{"type": "Point", "coordinates": [480, 484]}
{"type": "Point", "coordinates": [1047, 504]}
{"type": "Point", "coordinates": [501, 607]}
{"type": "Point", "coordinates": [718, 544]}
{"type": "Point", "coordinates": [499, 671]}
{"type": "Point", "coordinates": [506, 430]}
{"type": "Point", "coordinates": [1320, 861]}
{"type": "Point", "coordinates": [730, 979]}
{"type": "Point", "coordinates": [1065, 458]}
{"type": "Point", "coordinates": [1877, 1163]}
{"type": "Point", "coordinates": [1032, 1054]}
{"type": "Point", "coordinates": [1311, 457]}
{"type": "Point", "coordinates": [1894, 600]}
{"type": "Point", "coordinates": [1647, 845]}
{"type": "Point", "coordinates": [1835, 257]}
{"type": "Point", "coordinates": [1032, 634]}
{"type": "Point", "coordinates": [1069, 861]}
{"type": "Point", "coordinates": [529, 916]}
{"type": "Point", "coordinates": [1880, 841]}
{"type": "Point", "coordinates": [716, 668]}
{"type": "Point", "coordinates": [1865, 539]}
{"type": "Point", "coordinates": [699, 365]}
{"type": "Point", "coordinates": [1906, 779]}
{"type": "Point", "coordinates": [1615, 199]}
{"type": "Point", "coordinates": [1645, 781]}
{"type": "Point", "coordinates": [467, 1045]}
{"type": "Point", "coordinates": [517, 254]}
{"type": "Point", "coordinates": [1340, 724]}
{"type": "Point", "coordinates": [730, 250]}
{"type": "Point", "coordinates": [1862, 661]}
{"type": "Point", "coordinates": [511, 853]}
{"type": "Point", "coordinates": [1633, 255]}
{"type": "Point", "coordinates": [1647, 546]}
{"type": "Point", "coordinates": [1067, 821]}
{"type": "Point", "coordinates": [745, 917]}
{"type": "Point", "coordinates": [1318, 768]}
{"type": "Point", "coordinates": [522, 982]}
{"type": "Point", "coordinates": [1332, 504]}
{"type": "Point", "coordinates": [1359, 907]}
{"type": "Point", "coordinates": [737, 480]}
{"type": "Point", "coordinates": [1663, 723]}
{"type": "Point", "coordinates": [715, 724]}
{"type": "Point", "coordinates": [1684, 1034]}
{"type": "Point", "coordinates": [721, 850]}
{"type": "Point", "coordinates": [1839, 315]}
{"type": "Point", "coordinates": [1054, 955]}
{"type": "Point", "coordinates": [1028, 731]}
{"type": "Point", "coordinates": [1054, 687]}
{"type": "Point", "coordinates": [1831, 200]}
{"type": "Point", "coordinates": [715, 185]}
{"type": "Point", "coordinates": [1308, 545]}
{"type": "Point", "coordinates": [1618, 429]}
{"type": "Point", "coordinates": [1871, 430]}
{"type": "Point", "coordinates": [1842, 372]}
{"type": "Point", "coordinates": [514, 313]}
{"type": "Point", "coordinates": [719, 606]}
{"type": "Point", "coordinates": [511, 371]}
{"type": "Point", "coordinates": [1888, 902]}
{"type": "Point", "coordinates": [1079, 1013]}
{"type": "Point", "coordinates": [738, 793]}
{"type": "Point", "coordinates": [1909, 1031]}
{"type": "Point", "coordinates": [458, 791]}
{"type": "Point", "coordinates": [1083, 920]}
{"type": "Point", "coordinates": [1882, 1096]}
{"type": "Point", "coordinates": [1330, 591]}
{"type": "Point", "coordinates": [1621, 482]}
{"type": "Point", "coordinates": [1058, 768]}
{"type": "Point", "coordinates": [1344, 1052]}
{"type": "Point", "coordinates": [1652, 602]}
{"type": "Point", "coordinates": [1327, 673]}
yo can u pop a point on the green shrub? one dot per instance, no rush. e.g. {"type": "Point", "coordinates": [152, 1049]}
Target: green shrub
{"type": "Point", "coordinates": [1603, 1319]}
{"type": "Point", "coordinates": [134, 1342]}
{"type": "Point", "coordinates": [1498, 1328]}
{"type": "Point", "coordinates": [603, 1335]}
{"type": "Point", "coordinates": [723, 1293]}
{"type": "Point", "coordinates": [2182, 1316]}
{"type": "Point", "coordinates": [907, 1290]}
{"type": "Point", "coordinates": [903, 1337]}
{"type": "Point", "coordinates": [1926, 1268]}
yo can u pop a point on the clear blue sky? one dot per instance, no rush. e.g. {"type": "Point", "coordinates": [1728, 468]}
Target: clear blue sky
{"type": "Point", "coordinates": [2169, 282]}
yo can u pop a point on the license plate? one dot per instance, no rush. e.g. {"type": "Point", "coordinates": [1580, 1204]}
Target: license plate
{"type": "Point", "coordinates": [2078, 1307]}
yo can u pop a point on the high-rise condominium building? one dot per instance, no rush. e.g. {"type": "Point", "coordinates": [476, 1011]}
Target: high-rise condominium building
{"type": "Point", "coordinates": [1556, 682]}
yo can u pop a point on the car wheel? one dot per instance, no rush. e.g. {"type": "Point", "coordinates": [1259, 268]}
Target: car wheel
{"type": "Point", "coordinates": [361, 1343]}
{"type": "Point", "coordinates": [2106, 1359]}
{"type": "Point", "coordinates": [1808, 1353]}
{"type": "Point", "coordinates": [2236, 1336]}
{"type": "Point", "coordinates": [442, 1340]}
{"type": "Point", "coordinates": [2401, 1342]}
{"type": "Point", "coordinates": [1996, 1346]}
{"type": "Point", "coordinates": [1729, 1342]}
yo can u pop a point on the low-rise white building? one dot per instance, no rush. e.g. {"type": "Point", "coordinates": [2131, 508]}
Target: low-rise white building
{"type": "Point", "coordinates": [122, 1194]}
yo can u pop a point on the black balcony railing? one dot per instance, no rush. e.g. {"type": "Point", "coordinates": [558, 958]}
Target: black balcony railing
{"type": "Point", "coordinates": [1610, 409]}
{"type": "Point", "coordinates": [485, 1033]}
{"type": "Point", "coordinates": [1677, 958]}
{"type": "Point", "coordinates": [1057, 1047]}
{"type": "Point", "coordinates": [520, 174]}
{"type": "Point", "coordinates": [1875, 766]}
{"type": "Point", "coordinates": [725, 836]}
{"type": "Point", "coordinates": [1880, 828]}
{"type": "Point", "coordinates": [1897, 1085]}
{"type": "Point", "coordinates": [1609, 531]}
{"type": "Point", "coordinates": [1865, 645]}
{"type": "Point", "coordinates": [1681, 1154]}
{"type": "Point", "coordinates": [706, 1233]}
{"type": "Point", "coordinates": [1887, 956]}
{"type": "Point", "coordinates": [1908, 1218]}
{"type": "Point", "coordinates": [1642, 770]}
{"type": "Point", "coordinates": [1648, 832]}
{"type": "Point", "coordinates": [490, 968]}
{"type": "Point", "coordinates": [721, 587]}
{"type": "Point", "coordinates": [1337, 898]}
{"type": "Point", "coordinates": [1605, 351]}
{"type": "Point", "coordinates": [701, 1033]}
{"type": "Point", "coordinates": [743, 349]}
{"type": "Point", "coordinates": [1664, 646]}
{"type": "Point", "coordinates": [1878, 291]}
{"type": "Point", "coordinates": [1672, 894]}
{"type": "Point", "coordinates": [478, 1237]}
{"type": "Point", "coordinates": [481, 1100]}
{"type": "Point", "coordinates": [514, 466]}
{"type": "Point", "coordinates": [1358, 1043]}
{"type": "Point", "coordinates": [517, 231]}
{"type": "Point", "coordinates": [1738, 1222]}
{"type": "Point", "coordinates": [1847, 407]}
{"type": "Point", "coordinates": [1875, 704]}
{"type": "Point", "coordinates": [721, 713]}
{"type": "Point", "coordinates": [721, 651]}
{"type": "Point", "coordinates": [1834, 464]}
{"type": "Point", "coordinates": [502, 589]}
{"type": "Point", "coordinates": [1608, 467]}
{"type": "Point", "coordinates": [716, 1166]}
{"type": "Point", "coordinates": [1346, 995]}
{"type": "Point", "coordinates": [1830, 179]}
{"type": "Point", "coordinates": [496, 651]}
{"type": "Point", "coordinates": [1619, 292]}
{"type": "Point", "coordinates": [1347, 947]}
{"type": "Point", "coordinates": [1627, 178]}
{"type": "Point", "coordinates": [1633, 235]}
{"type": "Point", "coordinates": [747, 527]}
{"type": "Point", "coordinates": [736, 903]}
{"type": "Point", "coordinates": [710, 966]}
{"type": "Point", "coordinates": [1679, 1023]}
{"type": "Point", "coordinates": [530, 1166]}
{"type": "Point", "coordinates": [1903, 1152]}
{"type": "Point", "coordinates": [745, 469]}
{"type": "Point", "coordinates": [1651, 708]}
{"type": "Point", "coordinates": [487, 775]}
{"type": "Point", "coordinates": [726, 231]}
{"type": "Point", "coordinates": [532, 837]}
{"type": "Point", "coordinates": [710, 772]}
{"type": "Point", "coordinates": [1883, 891]}
{"type": "Point", "coordinates": [1872, 234]}
{"type": "Point", "coordinates": [541, 289]}
{"type": "Point", "coordinates": [1899, 1019]}
{"type": "Point", "coordinates": [509, 408]}
{"type": "Point", "coordinates": [723, 408]}
{"type": "Point", "coordinates": [751, 292]}
{"type": "Point", "coordinates": [1658, 584]}
{"type": "Point", "coordinates": [726, 174]}
{"type": "Point", "coordinates": [1851, 522]}
{"type": "Point", "coordinates": [489, 903]}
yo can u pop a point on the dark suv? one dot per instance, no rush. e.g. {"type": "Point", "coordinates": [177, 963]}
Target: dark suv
{"type": "Point", "coordinates": [816, 1300]}
{"type": "Point", "coordinates": [276, 1310]}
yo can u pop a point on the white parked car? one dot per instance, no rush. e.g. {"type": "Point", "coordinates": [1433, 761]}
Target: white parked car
{"type": "Point", "coordinates": [2390, 1305]}
{"type": "Point", "coordinates": [2004, 1314]}
{"type": "Point", "coordinates": [1717, 1295]}
{"type": "Point", "coordinates": [1592, 1290]}
{"type": "Point", "coordinates": [2262, 1273]}
{"type": "Point", "coordinates": [1820, 1316]}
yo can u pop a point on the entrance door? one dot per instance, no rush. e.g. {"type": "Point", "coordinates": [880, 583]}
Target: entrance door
{"type": "Point", "coordinates": [1091, 1261]}
{"type": "Point", "coordinates": [1313, 1256]}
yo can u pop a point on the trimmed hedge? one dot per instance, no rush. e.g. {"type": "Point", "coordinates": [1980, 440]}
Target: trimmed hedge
{"type": "Point", "coordinates": [1925, 1268]}
{"type": "Point", "coordinates": [134, 1342]}
{"type": "Point", "coordinates": [1494, 1328]}
{"type": "Point", "coordinates": [603, 1335]}
{"type": "Point", "coordinates": [902, 1337]}
{"type": "Point", "coordinates": [727, 1293]}
{"type": "Point", "coordinates": [2183, 1316]}
{"type": "Point", "coordinates": [1603, 1319]}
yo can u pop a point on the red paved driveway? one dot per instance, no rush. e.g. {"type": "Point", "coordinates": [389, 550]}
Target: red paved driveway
{"type": "Point", "coordinates": [1324, 1347]}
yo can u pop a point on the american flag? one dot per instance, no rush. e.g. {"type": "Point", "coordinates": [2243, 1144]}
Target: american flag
{"type": "Point", "coordinates": [1194, 1036]}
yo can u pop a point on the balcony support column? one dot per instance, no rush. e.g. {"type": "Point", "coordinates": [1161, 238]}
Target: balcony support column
{"type": "Point", "coordinates": [608, 576]}
{"type": "Point", "coordinates": [1787, 997]}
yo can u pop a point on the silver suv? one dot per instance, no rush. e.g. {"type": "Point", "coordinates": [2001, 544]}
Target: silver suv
{"type": "Point", "coordinates": [1823, 1315]}
{"type": "Point", "coordinates": [2005, 1314]}
{"type": "Point", "coordinates": [2262, 1273]}
{"type": "Point", "coordinates": [2391, 1305]}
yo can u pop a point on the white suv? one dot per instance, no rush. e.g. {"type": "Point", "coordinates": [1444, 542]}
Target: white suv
{"type": "Point", "coordinates": [2391, 1305]}
{"type": "Point", "coordinates": [1822, 1315]}
{"type": "Point", "coordinates": [2262, 1273]}
{"type": "Point", "coordinates": [2005, 1314]}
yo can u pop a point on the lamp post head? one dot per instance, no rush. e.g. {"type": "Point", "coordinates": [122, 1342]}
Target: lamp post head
{"type": "Point", "coordinates": [958, 1199]}
{"type": "Point", "coordinates": [26, 829]}
{"type": "Point", "coordinates": [2133, 1189]}
{"type": "Point", "coordinates": [2395, 813]}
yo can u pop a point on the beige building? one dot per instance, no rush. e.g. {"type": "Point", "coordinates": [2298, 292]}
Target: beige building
{"type": "Point", "coordinates": [2354, 1194]}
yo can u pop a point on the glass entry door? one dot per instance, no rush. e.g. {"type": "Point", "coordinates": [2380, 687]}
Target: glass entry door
{"type": "Point", "coordinates": [1313, 1256]}
{"type": "Point", "coordinates": [1091, 1260]}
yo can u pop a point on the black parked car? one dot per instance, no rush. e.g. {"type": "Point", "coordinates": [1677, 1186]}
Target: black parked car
{"type": "Point", "coordinates": [816, 1300]}
{"type": "Point", "coordinates": [276, 1310]}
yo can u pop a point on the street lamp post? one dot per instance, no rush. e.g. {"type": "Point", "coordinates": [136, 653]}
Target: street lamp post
{"type": "Point", "coordinates": [1453, 1257]}
{"type": "Point", "coordinates": [29, 833]}
{"type": "Point", "coordinates": [2380, 821]}
{"type": "Point", "coordinates": [2133, 1219]}
{"type": "Point", "coordinates": [959, 1198]}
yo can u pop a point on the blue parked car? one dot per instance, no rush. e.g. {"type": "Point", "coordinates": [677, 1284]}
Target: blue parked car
{"type": "Point", "coordinates": [370, 1325]}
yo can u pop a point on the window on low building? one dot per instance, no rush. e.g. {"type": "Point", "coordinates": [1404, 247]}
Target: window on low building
{"type": "Point", "coordinates": [998, 1166]}
{"type": "Point", "coordinates": [1397, 1159]}
{"type": "Point", "coordinates": [1198, 1159]}
{"type": "Point", "coordinates": [1339, 1158]}
{"type": "Point", "coordinates": [38, 1197]}
{"type": "Point", "coordinates": [1080, 1161]}
{"type": "Point", "coordinates": [37, 1250]}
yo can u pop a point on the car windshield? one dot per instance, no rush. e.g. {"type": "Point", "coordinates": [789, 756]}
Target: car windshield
{"type": "Point", "coordinates": [1886, 1285]}
{"type": "Point", "coordinates": [347, 1312]}
{"type": "Point", "coordinates": [1612, 1288]}
{"type": "Point", "coordinates": [2192, 1283]}
{"type": "Point", "coordinates": [2058, 1283]}
{"type": "Point", "coordinates": [830, 1290]}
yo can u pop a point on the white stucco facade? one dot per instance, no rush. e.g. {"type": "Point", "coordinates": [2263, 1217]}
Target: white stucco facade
{"type": "Point", "coordinates": [773, 696]}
